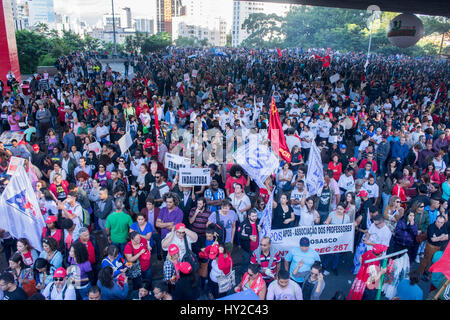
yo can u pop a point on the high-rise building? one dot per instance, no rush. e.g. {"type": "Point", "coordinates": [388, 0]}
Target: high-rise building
{"type": "Point", "coordinates": [165, 11]}
{"type": "Point", "coordinates": [242, 9]}
{"type": "Point", "coordinates": [108, 21]}
{"type": "Point", "coordinates": [202, 21]}
{"type": "Point", "coordinates": [41, 11]}
{"type": "Point", "coordinates": [144, 25]}
{"type": "Point", "coordinates": [126, 18]}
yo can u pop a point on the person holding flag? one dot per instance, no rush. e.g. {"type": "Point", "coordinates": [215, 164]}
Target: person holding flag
{"type": "Point", "coordinates": [276, 134]}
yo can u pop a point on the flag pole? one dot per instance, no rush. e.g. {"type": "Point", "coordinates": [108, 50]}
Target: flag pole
{"type": "Point", "coordinates": [441, 289]}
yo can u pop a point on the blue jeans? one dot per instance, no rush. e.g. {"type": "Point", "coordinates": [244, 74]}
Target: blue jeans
{"type": "Point", "coordinates": [121, 246]}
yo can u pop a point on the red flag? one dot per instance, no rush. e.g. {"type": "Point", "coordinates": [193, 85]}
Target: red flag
{"type": "Point", "coordinates": [156, 120]}
{"type": "Point", "coordinates": [326, 61]}
{"type": "Point", "coordinates": [279, 52]}
{"type": "Point", "coordinates": [276, 134]}
{"type": "Point", "coordinates": [443, 264]}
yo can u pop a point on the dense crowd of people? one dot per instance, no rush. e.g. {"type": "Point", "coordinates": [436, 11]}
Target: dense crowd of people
{"type": "Point", "coordinates": [383, 135]}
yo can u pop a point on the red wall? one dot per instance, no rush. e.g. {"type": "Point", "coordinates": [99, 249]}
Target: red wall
{"type": "Point", "coordinates": [9, 59]}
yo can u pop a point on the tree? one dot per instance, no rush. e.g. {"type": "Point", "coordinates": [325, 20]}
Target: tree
{"type": "Point", "coordinates": [185, 42]}
{"type": "Point", "coordinates": [156, 42]}
{"type": "Point", "coordinates": [264, 30]}
{"type": "Point", "coordinates": [30, 47]}
{"type": "Point", "coordinates": [91, 44]}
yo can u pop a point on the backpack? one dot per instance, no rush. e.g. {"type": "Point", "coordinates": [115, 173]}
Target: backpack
{"type": "Point", "coordinates": [190, 257]}
{"type": "Point", "coordinates": [51, 290]}
{"type": "Point", "coordinates": [86, 217]}
{"type": "Point", "coordinates": [220, 229]}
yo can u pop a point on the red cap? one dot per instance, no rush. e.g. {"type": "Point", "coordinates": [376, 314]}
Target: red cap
{"type": "Point", "coordinates": [51, 219]}
{"type": "Point", "coordinates": [60, 273]}
{"type": "Point", "coordinates": [35, 147]}
{"type": "Point", "coordinates": [213, 251]}
{"type": "Point", "coordinates": [363, 193]}
{"type": "Point", "coordinates": [179, 225]}
{"type": "Point", "coordinates": [352, 159]}
{"type": "Point", "coordinates": [148, 141]}
{"type": "Point", "coordinates": [185, 267]}
{"type": "Point", "coordinates": [173, 249]}
{"type": "Point", "coordinates": [379, 248]}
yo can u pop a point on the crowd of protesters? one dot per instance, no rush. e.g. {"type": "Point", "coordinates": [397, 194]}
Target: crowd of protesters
{"type": "Point", "coordinates": [383, 134]}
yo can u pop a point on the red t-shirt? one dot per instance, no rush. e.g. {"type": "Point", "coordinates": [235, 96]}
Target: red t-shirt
{"type": "Point", "coordinates": [231, 181]}
{"type": "Point", "coordinates": [254, 244]}
{"type": "Point", "coordinates": [145, 263]}
{"type": "Point", "coordinates": [337, 169]}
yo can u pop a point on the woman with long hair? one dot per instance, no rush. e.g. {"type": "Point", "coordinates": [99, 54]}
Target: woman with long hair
{"type": "Point", "coordinates": [42, 273]}
{"type": "Point", "coordinates": [82, 273]}
{"type": "Point", "coordinates": [283, 214]}
{"type": "Point", "coordinates": [51, 253]}
{"type": "Point", "coordinates": [26, 250]}
{"type": "Point", "coordinates": [240, 202]}
{"type": "Point", "coordinates": [253, 280]}
{"type": "Point", "coordinates": [102, 175]}
{"type": "Point", "coordinates": [110, 287]}
{"type": "Point", "coordinates": [393, 212]}
{"type": "Point", "coordinates": [432, 173]}
{"type": "Point", "coordinates": [187, 286]}
{"type": "Point", "coordinates": [284, 177]}
{"type": "Point", "coordinates": [405, 235]}
{"type": "Point", "coordinates": [349, 205]}
{"type": "Point", "coordinates": [23, 274]}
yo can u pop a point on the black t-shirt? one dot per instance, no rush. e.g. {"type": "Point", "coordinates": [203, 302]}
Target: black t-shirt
{"type": "Point", "coordinates": [17, 294]}
{"type": "Point", "coordinates": [279, 216]}
{"type": "Point", "coordinates": [324, 200]}
{"type": "Point", "coordinates": [433, 230]}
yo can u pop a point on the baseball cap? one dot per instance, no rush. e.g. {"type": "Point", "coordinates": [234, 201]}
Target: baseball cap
{"type": "Point", "coordinates": [60, 273]}
{"type": "Point", "coordinates": [51, 219]}
{"type": "Point", "coordinates": [179, 225]}
{"type": "Point", "coordinates": [213, 251]}
{"type": "Point", "coordinates": [363, 193]}
{"type": "Point", "coordinates": [352, 159]}
{"type": "Point", "coordinates": [185, 267]}
{"type": "Point", "coordinates": [342, 146]}
{"type": "Point", "coordinates": [304, 242]}
{"type": "Point", "coordinates": [226, 110]}
{"type": "Point", "coordinates": [35, 147]}
{"type": "Point", "coordinates": [173, 249]}
{"type": "Point", "coordinates": [379, 248]}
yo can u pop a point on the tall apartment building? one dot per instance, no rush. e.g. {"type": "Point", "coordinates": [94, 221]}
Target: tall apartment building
{"type": "Point", "coordinates": [144, 25]}
{"type": "Point", "coordinates": [126, 18]}
{"type": "Point", "coordinates": [202, 20]}
{"type": "Point", "coordinates": [242, 9]}
{"type": "Point", "coordinates": [41, 11]}
{"type": "Point", "coordinates": [165, 11]}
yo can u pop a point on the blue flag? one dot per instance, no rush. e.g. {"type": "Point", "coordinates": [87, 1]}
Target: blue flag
{"type": "Point", "coordinates": [266, 218]}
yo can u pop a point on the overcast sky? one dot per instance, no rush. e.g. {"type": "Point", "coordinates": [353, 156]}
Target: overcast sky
{"type": "Point", "coordinates": [92, 10]}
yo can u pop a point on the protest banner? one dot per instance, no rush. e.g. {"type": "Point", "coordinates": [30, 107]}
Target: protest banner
{"type": "Point", "coordinates": [314, 176]}
{"type": "Point", "coordinates": [324, 239]}
{"type": "Point", "coordinates": [194, 73]}
{"type": "Point", "coordinates": [95, 146]}
{"type": "Point", "coordinates": [14, 163]}
{"type": "Point", "coordinates": [186, 77]}
{"type": "Point", "coordinates": [174, 162]}
{"type": "Point", "coordinates": [335, 77]}
{"type": "Point", "coordinates": [8, 136]}
{"type": "Point", "coordinates": [195, 177]}
{"type": "Point", "coordinates": [125, 142]}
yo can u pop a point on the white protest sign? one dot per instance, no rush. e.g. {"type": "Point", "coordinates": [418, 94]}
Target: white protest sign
{"type": "Point", "coordinates": [14, 163]}
{"type": "Point", "coordinates": [194, 73]}
{"type": "Point", "coordinates": [186, 77]}
{"type": "Point", "coordinates": [125, 142]}
{"type": "Point", "coordinates": [324, 239]}
{"type": "Point", "coordinates": [195, 177]}
{"type": "Point", "coordinates": [95, 146]}
{"type": "Point", "coordinates": [335, 78]}
{"type": "Point", "coordinates": [174, 162]}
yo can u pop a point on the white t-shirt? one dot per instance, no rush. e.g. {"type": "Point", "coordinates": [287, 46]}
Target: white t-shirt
{"type": "Point", "coordinates": [291, 292]}
{"type": "Point", "coordinates": [179, 243]}
{"type": "Point", "coordinates": [306, 135]}
{"type": "Point", "coordinates": [307, 218]}
{"type": "Point", "coordinates": [347, 183]}
{"type": "Point", "coordinates": [324, 128]}
{"type": "Point", "coordinates": [298, 196]}
{"type": "Point", "coordinates": [240, 204]}
{"type": "Point", "coordinates": [58, 295]}
{"type": "Point", "coordinates": [372, 189]}
{"type": "Point", "coordinates": [379, 235]}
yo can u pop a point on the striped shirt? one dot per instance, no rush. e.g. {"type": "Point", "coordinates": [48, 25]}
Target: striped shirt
{"type": "Point", "coordinates": [199, 225]}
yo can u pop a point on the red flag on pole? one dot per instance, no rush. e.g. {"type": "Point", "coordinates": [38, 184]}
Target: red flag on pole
{"type": "Point", "coordinates": [276, 134]}
{"type": "Point", "coordinates": [279, 52]}
{"type": "Point", "coordinates": [443, 264]}
{"type": "Point", "coordinates": [326, 61]}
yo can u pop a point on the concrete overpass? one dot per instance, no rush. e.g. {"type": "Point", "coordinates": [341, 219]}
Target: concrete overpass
{"type": "Point", "coordinates": [427, 7]}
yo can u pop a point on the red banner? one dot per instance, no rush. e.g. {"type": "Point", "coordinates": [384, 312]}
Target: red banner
{"type": "Point", "coordinates": [276, 134]}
